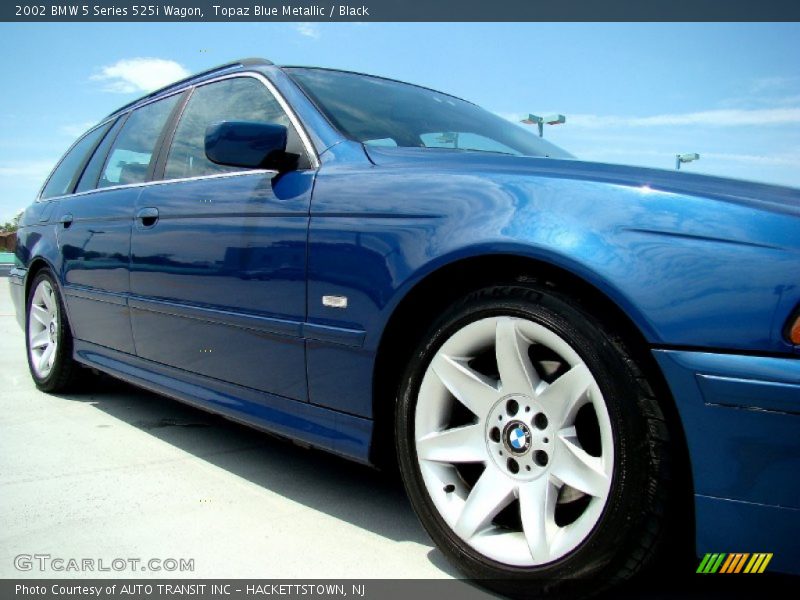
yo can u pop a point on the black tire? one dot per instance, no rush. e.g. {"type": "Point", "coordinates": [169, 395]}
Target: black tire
{"type": "Point", "coordinates": [631, 527]}
{"type": "Point", "coordinates": [63, 374]}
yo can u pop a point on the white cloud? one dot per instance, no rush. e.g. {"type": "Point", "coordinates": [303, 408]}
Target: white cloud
{"type": "Point", "coordinates": [788, 160]}
{"type": "Point", "coordinates": [132, 75]}
{"type": "Point", "coordinates": [310, 30]}
{"type": "Point", "coordinates": [35, 170]}
{"type": "Point", "coordinates": [715, 118]}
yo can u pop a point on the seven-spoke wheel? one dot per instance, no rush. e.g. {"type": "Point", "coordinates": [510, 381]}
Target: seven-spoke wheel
{"type": "Point", "coordinates": [43, 329]}
{"type": "Point", "coordinates": [523, 431]}
{"type": "Point", "coordinates": [530, 443]}
{"type": "Point", "coordinates": [48, 336]}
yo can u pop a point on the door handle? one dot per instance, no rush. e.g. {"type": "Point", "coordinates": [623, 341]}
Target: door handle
{"type": "Point", "coordinates": [147, 216]}
{"type": "Point", "coordinates": [66, 220]}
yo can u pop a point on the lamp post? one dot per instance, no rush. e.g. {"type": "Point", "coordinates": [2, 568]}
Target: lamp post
{"type": "Point", "coordinates": [685, 158]}
{"type": "Point", "coordinates": [542, 121]}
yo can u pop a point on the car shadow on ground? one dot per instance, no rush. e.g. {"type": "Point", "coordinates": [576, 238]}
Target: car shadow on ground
{"type": "Point", "coordinates": [372, 500]}
{"type": "Point", "coordinates": [354, 493]}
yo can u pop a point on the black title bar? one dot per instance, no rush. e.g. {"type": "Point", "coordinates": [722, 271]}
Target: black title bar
{"type": "Point", "coordinates": [144, 11]}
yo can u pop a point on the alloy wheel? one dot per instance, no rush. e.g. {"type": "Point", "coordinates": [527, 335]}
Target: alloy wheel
{"type": "Point", "coordinates": [514, 441]}
{"type": "Point", "coordinates": [43, 329]}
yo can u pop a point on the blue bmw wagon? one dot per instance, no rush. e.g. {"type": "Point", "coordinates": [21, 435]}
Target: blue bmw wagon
{"type": "Point", "coordinates": [575, 365]}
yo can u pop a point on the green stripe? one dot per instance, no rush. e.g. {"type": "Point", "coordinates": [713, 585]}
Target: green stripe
{"type": "Point", "coordinates": [718, 563]}
{"type": "Point", "coordinates": [703, 564]}
{"type": "Point", "coordinates": [712, 559]}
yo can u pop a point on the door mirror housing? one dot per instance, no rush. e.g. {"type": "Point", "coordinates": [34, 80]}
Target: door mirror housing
{"type": "Point", "coordinates": [246, 144]}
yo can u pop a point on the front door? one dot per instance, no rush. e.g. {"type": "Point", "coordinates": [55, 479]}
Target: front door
{"type": "Point", "coordinates": [218, 255]}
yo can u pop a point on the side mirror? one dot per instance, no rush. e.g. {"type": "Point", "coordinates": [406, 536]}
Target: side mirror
{"type": "Point", "coordinates": [246, 144]}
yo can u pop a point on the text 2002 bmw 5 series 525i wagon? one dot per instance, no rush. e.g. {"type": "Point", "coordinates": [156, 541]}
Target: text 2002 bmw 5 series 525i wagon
{"type": "Point", "coordinates": [571, 362]}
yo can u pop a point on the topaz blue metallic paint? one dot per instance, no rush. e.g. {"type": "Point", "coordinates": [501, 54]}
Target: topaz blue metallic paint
{"type": "Point", "coordinates": [705, 268]}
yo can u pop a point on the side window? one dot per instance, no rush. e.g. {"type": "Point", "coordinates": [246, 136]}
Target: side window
{"type": "Point", "coordinates": [130, 156]}
{"type": "Point", "coordinates": [238, 99]}
{"type": "Point", "coordinates": [91, 173]}
{"type": "Point", "coordinates": [63, 177]}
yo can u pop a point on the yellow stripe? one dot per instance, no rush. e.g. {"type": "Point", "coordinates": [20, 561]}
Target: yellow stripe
{"type": "Point", "coordinates": [765, 563]}
{"type": "Point", "coordinates": [761, 558]}
{"type": "Point", "coordinates": [724, 568]}
{"type": "Point", "coordinates": [741, 563]}
{"type": "Point", "coordinates": [750, 564]}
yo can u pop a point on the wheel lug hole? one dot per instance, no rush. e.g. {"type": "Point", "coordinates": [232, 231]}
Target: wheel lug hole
{"type": "Point", "coordinates": [527, 409]}
{"type": "Point", "coordinates": [527, 467]}
{"type": "Point", "coordinates": [541, 458]}
{"type": "Point", "coordinates": [512, 407]}
{"type": "Point", "coordinates": [540, 421]}
{"type": "Point", "coordinates": [513, 466]}
{"type": "Point", "coordinates": [494, 434]}
{"type": "Point", "coordinates": [449, 488]}
{"type": "Point", "coordinates": [546, 440]}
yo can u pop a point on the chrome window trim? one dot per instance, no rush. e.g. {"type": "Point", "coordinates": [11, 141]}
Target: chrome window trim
{"type": "Point", "coordinates": [124, 186]}
{"type": "Point", "coordinates": [63, 156]}
{"type": "Point", "coordinates": [293, 119]}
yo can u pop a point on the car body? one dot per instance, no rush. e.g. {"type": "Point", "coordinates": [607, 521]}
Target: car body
{"type": "Point", "coordinates": [233, 300]}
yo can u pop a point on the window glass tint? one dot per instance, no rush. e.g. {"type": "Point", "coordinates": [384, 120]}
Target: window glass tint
{"type": "Point", "coordinates": [91, 173]}
{"type": "Point", "coordinates": [133, 149]}
{"type": "Point", "coordinates": [61, 180]}
{"type": "Point", "coordinates": [464, 140]}
{"type": "Point", "coordinates": [239, 99]}
{"type": "Point", "coordinates": [370, 109]}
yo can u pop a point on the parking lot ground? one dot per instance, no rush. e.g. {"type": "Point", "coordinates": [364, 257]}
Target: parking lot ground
{"type": "Point", "coordinates": [118, 472]}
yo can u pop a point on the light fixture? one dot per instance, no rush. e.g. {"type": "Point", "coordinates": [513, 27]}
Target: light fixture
{"type": "Point", "coordinates": [685, 158]}
{"type": "Point", "coordinates": [542, 121]}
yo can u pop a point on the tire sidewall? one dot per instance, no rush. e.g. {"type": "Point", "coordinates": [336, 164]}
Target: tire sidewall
{"type": "Point", "coordinates": [63, 336]}
{"type": "Point", "coordinates": [598, 554]}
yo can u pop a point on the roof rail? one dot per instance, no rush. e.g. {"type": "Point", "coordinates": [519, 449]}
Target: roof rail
{"type": "Point", "coordinates": [244, 62]}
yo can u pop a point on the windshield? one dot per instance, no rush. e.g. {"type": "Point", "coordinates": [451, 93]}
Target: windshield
{"type": "Point", "coordinates": [381, 112]}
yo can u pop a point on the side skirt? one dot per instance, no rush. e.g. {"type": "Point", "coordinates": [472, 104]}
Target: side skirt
{"type": "Point", "coordinates": [346, 435]}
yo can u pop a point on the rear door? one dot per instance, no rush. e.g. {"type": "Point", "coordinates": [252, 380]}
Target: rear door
{"type": "Point", "coordinates": [218, 271]}
{"type": "Point", "coordinates": [94, 227]}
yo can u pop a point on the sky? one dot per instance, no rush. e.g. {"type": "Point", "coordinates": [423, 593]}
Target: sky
{"type": "Point", "coordinates": [633, 93]}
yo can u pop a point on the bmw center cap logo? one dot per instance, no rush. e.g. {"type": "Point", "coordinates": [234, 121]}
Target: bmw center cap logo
{"type": "Point", "coordinates": [518, 437]}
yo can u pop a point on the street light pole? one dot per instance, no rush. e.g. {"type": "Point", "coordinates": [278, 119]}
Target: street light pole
{"type": "Point", "coordinates": [685, 158]}
{"type": "Point", "coordinates": [542, 121]}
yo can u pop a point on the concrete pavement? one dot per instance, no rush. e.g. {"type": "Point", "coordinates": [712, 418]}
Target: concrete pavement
{"type": "Point", "coordinates": [117, 472]}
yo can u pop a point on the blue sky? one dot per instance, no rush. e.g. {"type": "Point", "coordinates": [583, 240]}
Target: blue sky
{"type": "Point", "coordinates": [632, 93]}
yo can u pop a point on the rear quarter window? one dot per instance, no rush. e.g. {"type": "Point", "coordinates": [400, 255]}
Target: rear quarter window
{"type": "Point", "coordinates": [63, 177]}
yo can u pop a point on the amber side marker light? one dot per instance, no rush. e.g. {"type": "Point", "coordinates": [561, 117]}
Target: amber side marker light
{"type": "Point", "coordinates": [794, 331]}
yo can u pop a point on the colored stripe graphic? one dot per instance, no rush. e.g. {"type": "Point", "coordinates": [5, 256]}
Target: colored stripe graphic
{"type": "Point", "coordinates": [703, 563]}
{"type": "Point", "coordinates": [727, 564]}
{"type": "Point", "coordinates": [712, 564]}
{"type": "Point", "coordinates": [733, 563]}
{"type": "Point", "coordinates": [767, 558]}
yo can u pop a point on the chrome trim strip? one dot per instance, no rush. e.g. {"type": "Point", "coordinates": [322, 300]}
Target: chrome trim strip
{"type": "Point", "coordinates": [63, 156]}
{"type": "Point", "coordinates": [295, 121]}
{"type": "Point", "coordinates": [110, 188]}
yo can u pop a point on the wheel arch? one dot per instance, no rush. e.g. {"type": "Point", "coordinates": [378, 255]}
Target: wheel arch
{"type": "Point", "coordinates": [36, 264]}
{"type": "Point", "coordinates": [428, 297]}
